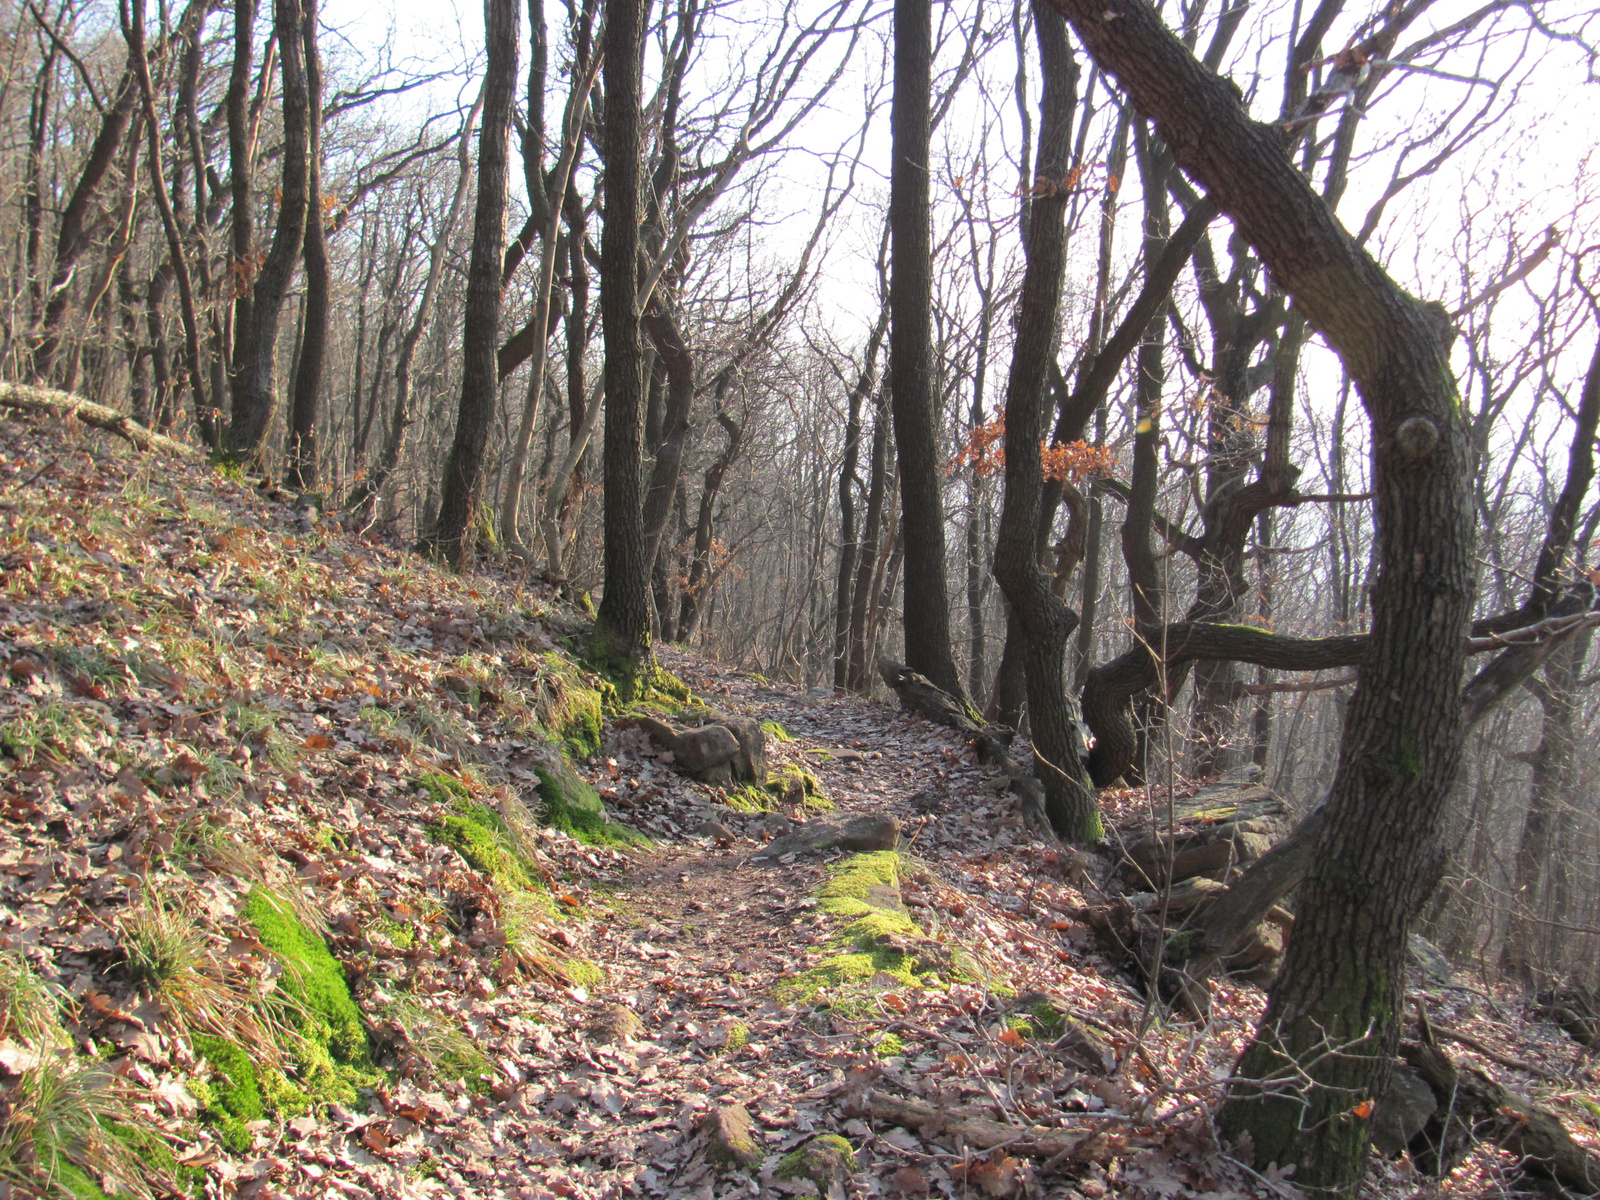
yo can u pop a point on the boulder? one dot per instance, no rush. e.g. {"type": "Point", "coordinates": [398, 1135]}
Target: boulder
{"type": "Point", "coordinates": [728, 1138]}
{"type": "Point", "coordinates": [876, 831]}
{"type": "Point", "coordinates": [721, 750]}
{"type": "Point", "coordinates": [1402, 1111]}
{"type": "Point", "coordinates": [1430, 958]}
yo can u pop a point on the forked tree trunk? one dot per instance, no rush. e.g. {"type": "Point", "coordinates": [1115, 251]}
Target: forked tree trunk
{"type": "Point", "coordinates": [1042, 619]}
{"type": "Point", "coordinates": [1330, 1029]}
{"type": "Point", "coordinates": [255, 354]}
{"type": "Point", "coordinates": [301, 452]}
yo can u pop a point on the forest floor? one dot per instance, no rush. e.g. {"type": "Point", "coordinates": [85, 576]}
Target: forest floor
{"type": "Point", "coordinates": [225, 722]}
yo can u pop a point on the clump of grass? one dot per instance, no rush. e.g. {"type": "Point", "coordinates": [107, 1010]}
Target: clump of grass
{"type": "Point", "coordinates": [431, 1046]}
{"type": "Point", "coordinates": [161, 947]}
{"type": "Point", "coordinates": [165, 950]}
{"type": "Point", "coordinates": [60, 1132]}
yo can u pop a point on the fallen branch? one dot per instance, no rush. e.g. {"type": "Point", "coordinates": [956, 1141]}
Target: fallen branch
{"type": "Point", "coordinates": [65, 404]}
{"type": "Point", "coordinates": [1445, 1033]}
{"type": "Point", "coordinates": [1473, 1108]}
{"type": "Point", "coordinates": [1058, 1146]}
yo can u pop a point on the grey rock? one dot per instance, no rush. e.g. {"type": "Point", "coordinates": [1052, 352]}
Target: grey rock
{"type": "Point", "coordinates": [1430, 958]}
{"type": "Point", "coordinates": [877, 831]}
{"type": "Point", "coordinates": [1402, 1112]}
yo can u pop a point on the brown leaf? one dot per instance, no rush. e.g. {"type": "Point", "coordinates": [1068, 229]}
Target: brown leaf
{"type": "Point", "coordinates": [910, 1181]}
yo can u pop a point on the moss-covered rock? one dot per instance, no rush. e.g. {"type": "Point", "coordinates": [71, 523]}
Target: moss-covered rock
{"type": "Point", "coordinates": [472, 832]}
{"type": "Point", "coordinates": [729, 1139]}
{"type": "Point", "coordinates": [827, 1160]}
{"type": "Point", "coordinates": [574, 807]}
{"type": "Point", "coordinates": [793, 784]}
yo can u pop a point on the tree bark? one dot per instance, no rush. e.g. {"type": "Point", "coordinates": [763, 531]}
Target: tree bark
{"type": "Point", "coordinates": [1380, 852]}
{"type": "Point", "coordinates": [927, 605]}
{"type": "Point", "coordinates": [624, 615]}
{"type": "Point", "coordinates": [1042, 618]}
{"type": "Point", "coordinates": [301, 452]}
{"type": "Point", "coordinates": [452, 539]}
{"type": "Point", "coordinates": [73, 235]}
{"type": "Point", "coordinates": [255, 376]}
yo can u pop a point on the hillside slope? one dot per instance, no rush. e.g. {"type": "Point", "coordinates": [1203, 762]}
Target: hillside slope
{"type": "Point", "coordinates": [327, 873]}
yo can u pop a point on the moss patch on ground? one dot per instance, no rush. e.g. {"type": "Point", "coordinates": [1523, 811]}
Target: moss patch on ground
{"type": "Point", "coordinates": [231, 1098]}
{"type": "Point", "coordinates": [864, 893]}
{"type": "Point", "coordinates": [332, 1051]}
{"type": "Point", "coordinates": [574, 807]}
{"type": "Point", "coordinates": [776, 731]}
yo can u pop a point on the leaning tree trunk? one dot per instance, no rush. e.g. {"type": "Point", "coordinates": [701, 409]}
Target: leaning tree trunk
{"type": "Point", "coordinates": [1041, 617]}
{"type": "Point", "coordinates": [624, 615]}
{"type": "Point", "coordinates": [927, 606]}
{"type": "Point", "coordinates": [255, 353]}
{"type": "Point", "coordinates": [1330, 1029]}
{"type": "Point", "coordinates": [452, 538]}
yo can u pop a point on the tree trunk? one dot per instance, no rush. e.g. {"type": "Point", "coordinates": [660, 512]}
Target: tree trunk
{"type": "Point", "coordinates": [74, 235]}
{"type": "Point", "coordinates": [242, 267]}
{"type": "Point", "coordinates": [452, 538]}
{"type": "Point", "coordinates": [301, 452]}
{"type": "Point", "coordinates": [1330, 1030]}
{"type": "Point", "coordinates": [916, 424]}
{"type": "Point", "coordinates": [702, 574]}
{"type": "Point", "coordinates": [1043, 621]}
{"type": "Point", "coordinates": [255, 393]}
{"type": "Point", "coordinates": [849, 534]}
{"type": "Point", "coordinates": [624, 615]}
{"type": "Point", "coordinates": [364, 498]}
{"type": "Point", "coordinates": [872, 526]}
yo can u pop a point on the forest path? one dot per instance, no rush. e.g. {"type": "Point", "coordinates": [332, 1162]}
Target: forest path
{"type": "Point", "coordinates": [702, 936]}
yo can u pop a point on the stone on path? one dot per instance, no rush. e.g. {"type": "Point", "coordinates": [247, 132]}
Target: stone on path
{"type": "Point", "coordinates": [875, 831]}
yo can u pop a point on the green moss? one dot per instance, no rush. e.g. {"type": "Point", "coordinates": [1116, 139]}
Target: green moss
{"type": "Point", "coordinates": [633, 677]}
{"type": "Point", "coordinates": [472, 835]}
{"type": "Point", "coordinates": [738, 1037]}
{"type": "Point", "coordinates": [158, 1158]}
{"type": "Point", "coordinates": [825, 1160]}
{"type": "Point", "coordinates": [890, 1045]}
{"type": "Point", "coordinates": [77, 1184]}
{"type": "Point", "coordinates": [333, 1053]}
{"type": "Point", "coordinates": [864, 893]}
{"type": "Point", "coordinates": [793, 784]}
{"type": "Point", "coordinates": [573, 806]}
{"type": "Point", "coordinates": [1050, 1020]}
{"type": "Point", "coordinates": [776, 731]}
{"type": "Point", "coordinates": [747, 798]}
{"type": "Point", "coordinates": [585, 974]}
{"type": "Point", "coordinates": [232, 1097]}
